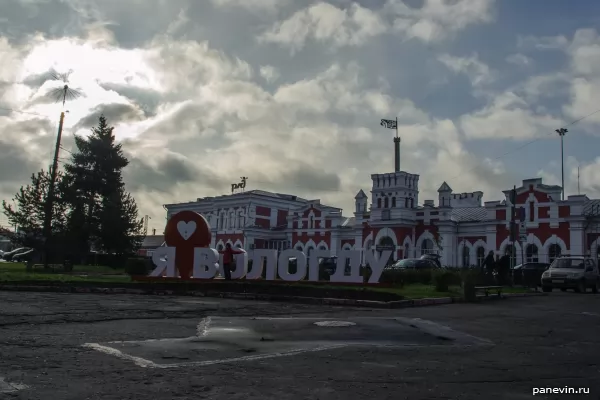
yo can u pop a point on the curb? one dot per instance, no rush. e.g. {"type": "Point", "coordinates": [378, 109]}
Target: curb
{"type": "Point", "coordinates": [265, 297]}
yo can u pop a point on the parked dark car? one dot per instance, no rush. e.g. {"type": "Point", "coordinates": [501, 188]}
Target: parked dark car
{"type": "Point", "coordinates": [433, 257]}
{"type": "Point", "coordinates": [413, 263]}
{"type": "Point", "coordinates": [329, 264]}
{"type": "Point", "coordinates": [529, 274]}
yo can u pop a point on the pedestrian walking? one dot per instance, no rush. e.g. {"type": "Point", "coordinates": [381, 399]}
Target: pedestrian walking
{"type": "Point", "coordinates": [489, 262]}
{"type": "Point", "coordinates": [503, 268]}
{"type": "Point", "coordinates": [228, 259]}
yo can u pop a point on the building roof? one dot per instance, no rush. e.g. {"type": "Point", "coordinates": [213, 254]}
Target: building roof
{"type": "Point", "coordinates": [348, 222]}
{"type": "Point", "coordinates": [445, 188]}
{"type": "Point", "coordinates": [360, 195]}
{"type": "Point", "coordinates": [282, 196]}
{"type": "Point", "coordinates": [468, 214]}
{"type": "Point", "coordinates": [153, 241]}
{"type": "Point", "coordinates": [549, 187]}
{"type": "Point", "coordinates": [592, 208]}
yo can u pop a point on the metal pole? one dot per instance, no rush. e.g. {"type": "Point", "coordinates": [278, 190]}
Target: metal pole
{"type": "Point", "coordinates": [562, 164]}
{"type": "Point", "coordinates": [513, 254]}
{"type": "Point", "coordinates": [397, 149]}
{"type": "Point", "coordinates": [561, 132]}
{"type": "Point", "coordinates": [578, 187]}
{"type": "Point", "coordinates": [50, 195]}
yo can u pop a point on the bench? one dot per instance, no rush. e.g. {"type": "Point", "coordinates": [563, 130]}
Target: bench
{"type": "Point", "coordinates": [489, 289]}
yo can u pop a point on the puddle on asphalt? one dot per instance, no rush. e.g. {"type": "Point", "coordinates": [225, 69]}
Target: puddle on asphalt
{"type": "Point", "coordinates": [225, 339]}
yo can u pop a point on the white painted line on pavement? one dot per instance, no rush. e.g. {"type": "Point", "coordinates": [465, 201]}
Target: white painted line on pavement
{"type": "Point", "coordinates": [249, 358]}
{"type": "Point", "coordinates": [591, 314]}
{"type": "Point", "coordinates": [140, 362]}
{"type": "Point", "coordinates": [7, 387]}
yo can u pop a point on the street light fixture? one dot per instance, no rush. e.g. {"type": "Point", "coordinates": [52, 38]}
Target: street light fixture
{"type": "Point", "coordinates": [561, 132]}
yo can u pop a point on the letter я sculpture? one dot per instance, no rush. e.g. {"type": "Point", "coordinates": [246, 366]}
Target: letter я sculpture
{"type": "Point", "coordinates": [185, 231]}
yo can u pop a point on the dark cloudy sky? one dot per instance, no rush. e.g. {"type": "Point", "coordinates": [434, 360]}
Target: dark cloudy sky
{"type": "Point", "coordinates": [290, 93]}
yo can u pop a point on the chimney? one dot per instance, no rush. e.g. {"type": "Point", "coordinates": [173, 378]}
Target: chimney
{"type": "Point", "coordinates": [153, 232]}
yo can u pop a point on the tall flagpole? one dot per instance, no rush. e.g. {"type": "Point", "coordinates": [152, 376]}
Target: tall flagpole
{"type": "Point", "coordinates": [393, 124]}
{"type": "Point", "coordinates": [397, 148]}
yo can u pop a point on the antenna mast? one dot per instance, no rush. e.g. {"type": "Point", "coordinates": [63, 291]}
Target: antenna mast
{"type": "Point", "coordinates": [578, 188]}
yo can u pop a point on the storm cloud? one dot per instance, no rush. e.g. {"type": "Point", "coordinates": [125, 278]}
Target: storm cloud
{"type": "Point", "coordinates": [290, 94]}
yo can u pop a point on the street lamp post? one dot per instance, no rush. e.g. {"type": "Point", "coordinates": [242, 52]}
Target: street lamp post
{"type": "Point", "coordinates": [61, 94]}
{"type": "Point", "coordinates": [561, 132]}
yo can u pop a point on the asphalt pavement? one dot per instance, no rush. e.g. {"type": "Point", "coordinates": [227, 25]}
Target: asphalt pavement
{"type": "Point", "coordinates": [84, 346]}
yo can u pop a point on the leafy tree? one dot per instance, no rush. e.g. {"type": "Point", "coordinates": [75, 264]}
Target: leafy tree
{"type": "Point", "coordinates": [102, 213]}
{"type": "Point", "coordinates": [29, 214]}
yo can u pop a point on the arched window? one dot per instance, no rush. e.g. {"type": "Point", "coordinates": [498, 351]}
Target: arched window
{"type": "Point", "coordinates": [220, 247]}
{"type": "Point", "coordinates": [531, 253]}
{"type": "Point", "coordinates": [231, 220]}
{"type": "Point", "coordinates": [322, 248]}
{"type": "Point", "coordinates": [426, 246]}
{"type": "Point", "coordinates": [412, 203]}
{"type": "Point", "coordinates": [241, 220]}
{"type": "Point", "coordinates": [309, 250]}
{"type": "Point", "coordinates": [480, 256]}
{"type": "Point", "coordinates": [553, 252]}
{"type": "Point", "coordinates": [379, 202]}
{"type": "Point", "coordinates": [406, 250]}
{"type": "Point", "coordinates": [393, 202]}
{"type": "Point", "coordinates": [299, 248]}
{"type": "Point", "coordinates": [311, 222]}
{"type": "Point", "coordinates": [222, 222]}
{"type": "Point", "coordinates": [466, 257]}
{"type": "Point", "coordinates": [238, 246]}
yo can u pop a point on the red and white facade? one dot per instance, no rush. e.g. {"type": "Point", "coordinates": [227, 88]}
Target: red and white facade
{"type": "Point", "coordinates": [461, 228]}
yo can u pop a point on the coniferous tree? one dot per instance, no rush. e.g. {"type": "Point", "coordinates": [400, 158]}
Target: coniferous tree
{"type": "Point", "coordinates": [29, 213]}
{"type": "Point", "coordinates": [102, 211]}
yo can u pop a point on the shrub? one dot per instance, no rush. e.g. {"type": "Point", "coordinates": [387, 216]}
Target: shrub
{"type": "Point", "coordinates": [137, 266]}
{"type": "Point", "coordinates": [471, 276]}
{"type": "Point", "coordinates": [444, 279]}
{"type": "Point", "coordinates": [406, 277]}
{"type": "Point", "coordinates": [366, 273]}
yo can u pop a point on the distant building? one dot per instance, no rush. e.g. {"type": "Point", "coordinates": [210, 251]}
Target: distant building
{"type": "Point", "coordinates": [5, 243]}
{"type": "Point", "coordinates": [460, 228]}
{"type": "Point", "coordinates": [149, 243]}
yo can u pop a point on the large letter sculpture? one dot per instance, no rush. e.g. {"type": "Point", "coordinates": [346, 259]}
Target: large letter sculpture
{"type": "Point", "coordinates": [185, 231]}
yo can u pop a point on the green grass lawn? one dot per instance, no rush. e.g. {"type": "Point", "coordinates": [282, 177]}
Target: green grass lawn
{"type": "Point", "coordinates": [15, 272]}
{"type": "Point", "coordinates": [8, 276]}
{"type": "Point", "coordinates": [77, 269]}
